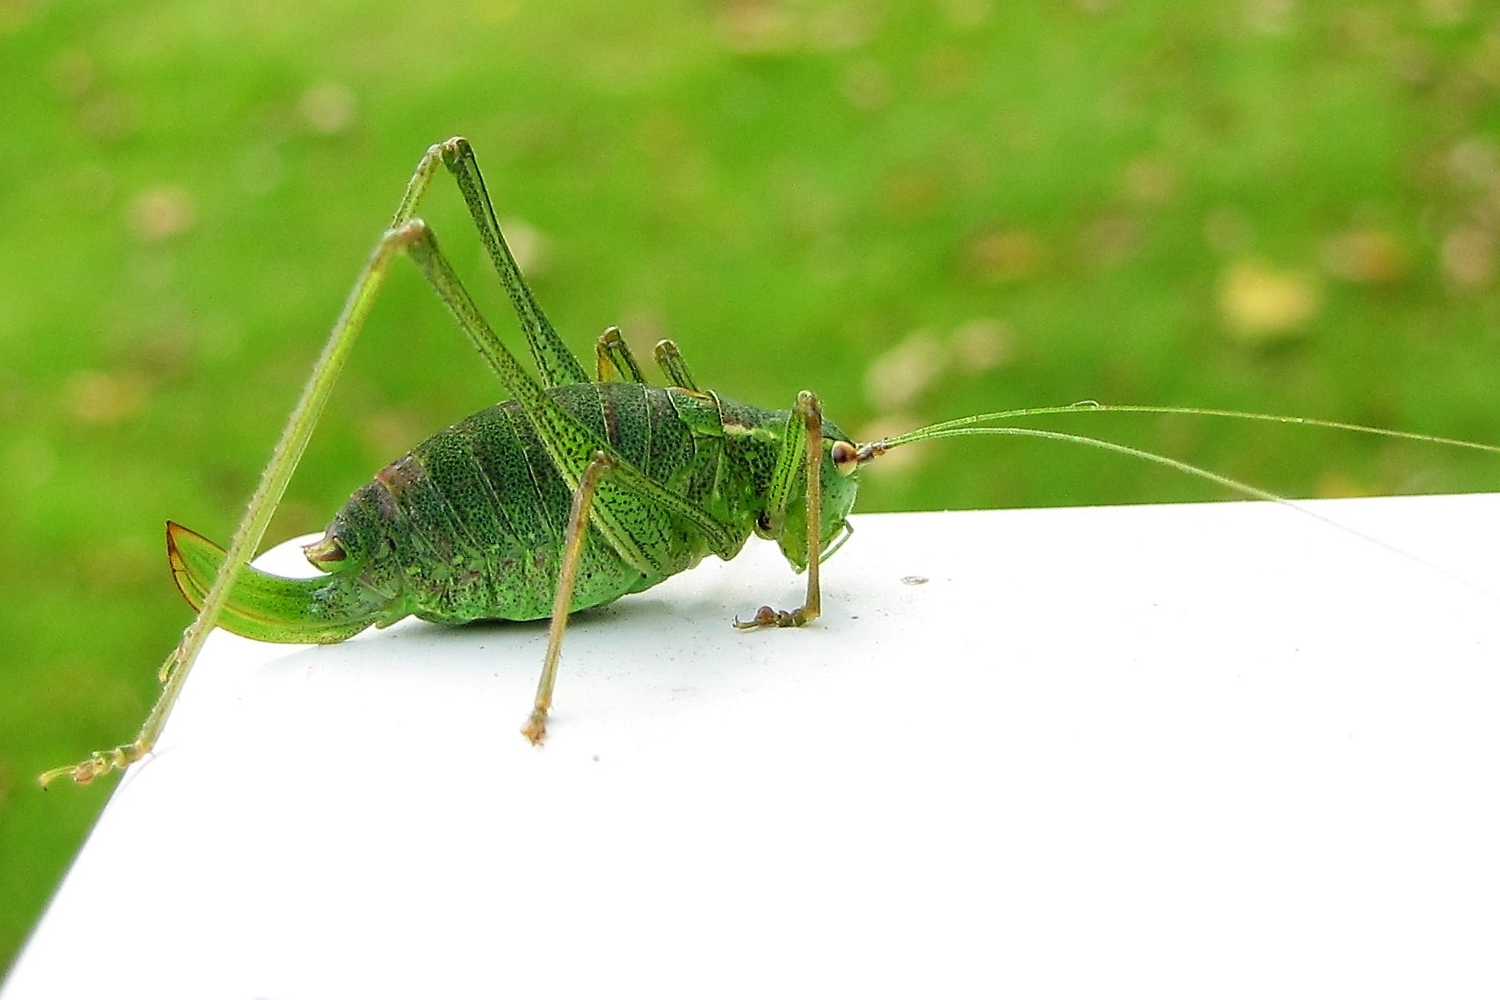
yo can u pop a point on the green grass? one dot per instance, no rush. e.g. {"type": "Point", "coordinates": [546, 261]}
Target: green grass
{"type": "Point", "coordinates": [1113, 191]}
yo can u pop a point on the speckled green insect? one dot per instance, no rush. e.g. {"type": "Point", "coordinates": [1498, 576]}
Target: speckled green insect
{"type": "Point", "coordinates": [568, 495]}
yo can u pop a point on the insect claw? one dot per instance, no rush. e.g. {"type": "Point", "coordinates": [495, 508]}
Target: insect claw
{"type": "Point", "coordinates": [535, 729]}
{"type": "Point", "coordinates": [99, 763]}
{"type": "Point", "coordinates": [768, 616]}
{"type": "Point", "coordinates": [83, 773]}
{"type": "Point", "coordinates": [765, 616]}
{"type": "Point", "coordinates": [48, 777]}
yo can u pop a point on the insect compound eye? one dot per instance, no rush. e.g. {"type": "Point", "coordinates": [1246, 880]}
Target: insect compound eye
{"type": "Point", "coordinates": [845, 457]}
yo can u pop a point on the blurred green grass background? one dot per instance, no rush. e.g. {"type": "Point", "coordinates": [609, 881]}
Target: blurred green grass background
{"type": "Point", "coordinates": [919, 211]}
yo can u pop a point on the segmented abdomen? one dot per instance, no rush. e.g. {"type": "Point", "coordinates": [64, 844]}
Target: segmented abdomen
{"type": "Point", "coordinates": [470, 524]}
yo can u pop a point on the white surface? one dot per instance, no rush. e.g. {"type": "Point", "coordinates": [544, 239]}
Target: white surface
{"type": "Point", "coordinates": [1212, 750]}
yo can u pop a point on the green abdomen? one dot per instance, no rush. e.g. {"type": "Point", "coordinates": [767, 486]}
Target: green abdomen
{"type": "Point", "coordinates": [470, 525]}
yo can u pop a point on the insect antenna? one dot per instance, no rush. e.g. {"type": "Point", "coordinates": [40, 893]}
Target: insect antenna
{"type": "Point", "coordinates": [961, 426]}
{"type": "Point", "coordinates": [970, 425]}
